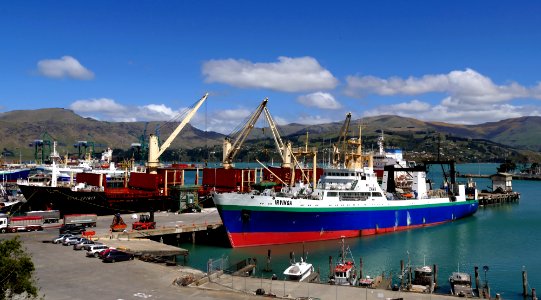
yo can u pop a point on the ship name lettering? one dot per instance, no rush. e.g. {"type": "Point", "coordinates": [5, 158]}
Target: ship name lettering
{"type": "Point", "coordinates": [283, 202]}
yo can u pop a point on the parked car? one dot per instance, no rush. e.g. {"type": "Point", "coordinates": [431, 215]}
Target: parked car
{"type": "Point", "coordinates": [72, 240]}
{"type": "Point", "coordinates": [105, 252]}
{"type": "Point", "coordinates": [72, 228]}
{"type": "Point", "coordinates": [82, 243]}
{"type": "Point", "coordinates": [87, 247]}
{"type": "Point", "coordinates": [115, 256]}
{"type": "Point", "coordinates": [61, 238]}
{"type": "Point", "coordinates": [94, 250]}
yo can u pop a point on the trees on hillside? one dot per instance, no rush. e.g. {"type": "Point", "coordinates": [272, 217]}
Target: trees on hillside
{"type": "Point", "coordinates": [16, 268]}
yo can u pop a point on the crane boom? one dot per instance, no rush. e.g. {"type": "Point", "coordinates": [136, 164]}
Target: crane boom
{"type": "Point", "coordinates": [230, 150]}
{"type": "Point", "coordinates": [283, 149]}
{"type": "Point", "coordinates": [340, 148]}
{"type": "Point", "coordinates": [155, 151]}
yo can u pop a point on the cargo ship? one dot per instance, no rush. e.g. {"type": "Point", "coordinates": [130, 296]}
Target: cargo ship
{"type": "Point", "coordinates": [140, 190]}
{"type": "Point", "coordinates": [347, 201]}
{"type": "Point", "coordinates": [95, 193]}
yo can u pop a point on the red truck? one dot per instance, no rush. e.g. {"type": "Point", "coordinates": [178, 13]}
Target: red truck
{"type": "Point", "coordinates": [14, 224]}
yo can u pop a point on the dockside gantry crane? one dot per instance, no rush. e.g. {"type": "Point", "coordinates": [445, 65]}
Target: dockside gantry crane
{"type": "Point", "coordinates": [155, 151]}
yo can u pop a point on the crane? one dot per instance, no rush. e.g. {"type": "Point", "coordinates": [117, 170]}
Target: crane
{"type": "Point", "coordinates": [155, 151]}
{"type": "Point", "coordinates": [40, 146]}
{"type": "Point", "coordinates": [340, 148]}
{"type": "Point", "coordinates": [142, 146]}
{"type": "Point", "coordinates": [283, 149]}
{"type": "Point", "coordinates": [232, 149]}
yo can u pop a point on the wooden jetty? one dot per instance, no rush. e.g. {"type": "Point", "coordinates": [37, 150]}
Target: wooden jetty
{"type": "Point", "coordinates": [498, 198]}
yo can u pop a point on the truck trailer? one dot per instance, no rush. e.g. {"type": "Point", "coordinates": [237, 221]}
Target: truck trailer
{"type": "Point", "coordinates": [15, 224]}
{"type": "Point", "coordinates": [49, 216]}
{"type": "Point", "coordinates": [88, 220]}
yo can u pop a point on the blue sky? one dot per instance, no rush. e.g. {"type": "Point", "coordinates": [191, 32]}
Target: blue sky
{"type": "Point", "coordinates": [454, 61]}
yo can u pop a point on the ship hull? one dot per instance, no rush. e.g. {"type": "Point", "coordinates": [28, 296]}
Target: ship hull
{"type": "Point", "coordinates": [267, 223]}
{"type": "Point", "coordinates": [13, 175]}
{"type": "Point", "coordinates": [98, 202]}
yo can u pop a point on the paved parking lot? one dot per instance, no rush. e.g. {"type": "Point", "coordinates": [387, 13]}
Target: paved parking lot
{"type": "Point", "coordinates": [63, 273]}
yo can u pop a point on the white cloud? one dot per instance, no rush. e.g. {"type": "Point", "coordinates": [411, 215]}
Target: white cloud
{"type": "Point", "coordinates": [319, 100]}
{"type": "Point", "coordinates": [96, 105]}
{"type": "Point", "coordinates": [458, 115]}
{"type": "Point", "coordinates": [66, 66]}
{"type": "Point", "coordinates": [109, 110]}
{"type": "Point", "coordinates": [223, 121]}
{"type": "Point", "coordinates": [312, 120]}
{"type": "Point", "coordinates": [462, 87]}
{"type": "Point", "coordinates": [287, 75]}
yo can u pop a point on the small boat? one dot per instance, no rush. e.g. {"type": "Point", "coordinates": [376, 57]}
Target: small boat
{"type": "Point", "coordinates": [461, 285]}
{"type": "Point", "coordinates": [422, 276]}
{"type": "Point", "coordinates": [344, 271]}
{"type": "Point", "coordinates": [366, 282]}
{"type": "Point", "coordinates": [298, 271]}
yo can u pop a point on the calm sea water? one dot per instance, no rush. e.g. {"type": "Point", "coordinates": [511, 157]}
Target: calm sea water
{"type": "Point", "coordinates": [505, 238]}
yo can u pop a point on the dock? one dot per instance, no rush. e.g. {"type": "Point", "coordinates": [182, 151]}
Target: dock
{"type": "Point", "coordinates": [498, 198]}
{"type": "Point", "coordinates": [142, 247]}
{"type": "Point", "coordinates": [186, 228]}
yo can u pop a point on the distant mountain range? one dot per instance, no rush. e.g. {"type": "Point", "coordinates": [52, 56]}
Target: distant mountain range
{"type": "Point", "coordinates": [19, 128]}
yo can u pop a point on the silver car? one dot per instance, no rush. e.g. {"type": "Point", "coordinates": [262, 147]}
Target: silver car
{"type": "Point", "coordinates": [72, 240]}
{"type": "Point", "coordinates": [82, 244]}
{"type": "Point", "coordinates": [60, 239]}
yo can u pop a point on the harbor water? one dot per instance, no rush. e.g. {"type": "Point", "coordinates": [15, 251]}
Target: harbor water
{"type": "Point", "coordinates": [503, 237]}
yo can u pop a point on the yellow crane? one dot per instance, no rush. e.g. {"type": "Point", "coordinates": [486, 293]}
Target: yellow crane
{"type": "Point", "coordinates": [155, 151]}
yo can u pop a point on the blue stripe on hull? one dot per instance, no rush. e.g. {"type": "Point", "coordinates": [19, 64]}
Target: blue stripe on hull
{"type": "Point", "coordinates": [307, 221]}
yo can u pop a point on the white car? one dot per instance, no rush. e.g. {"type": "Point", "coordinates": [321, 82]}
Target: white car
{"type": "Point", "coordinates": [95, 250]}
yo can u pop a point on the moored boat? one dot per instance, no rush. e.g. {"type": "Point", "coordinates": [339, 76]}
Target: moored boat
{"type": "Point", "coordinates": [344, 271]}
{"type": "Point", "coordinates": [299, 271]}
{"type": "Point", "coordinates": [461, 285]}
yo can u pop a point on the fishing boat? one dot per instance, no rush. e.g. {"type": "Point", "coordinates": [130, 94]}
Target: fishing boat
{"type": "Point", "coordinates": [299, 271]}
{"type": "Point", "coordinates": [347, 201]}
{"type": "Point", "coordinates": [461, 285]}
{"type": "Point", "coordinates": [344, 270]}
{"type": "Point", "coordinates": [422, 276]}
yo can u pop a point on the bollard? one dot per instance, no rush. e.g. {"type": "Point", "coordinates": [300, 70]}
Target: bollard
{"type": "Point", "coordinates": [498, 296]}
{"type": "Point", "coordinates": [524, 283]}
{"type": "Point", "coordinates": [534, 295]}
